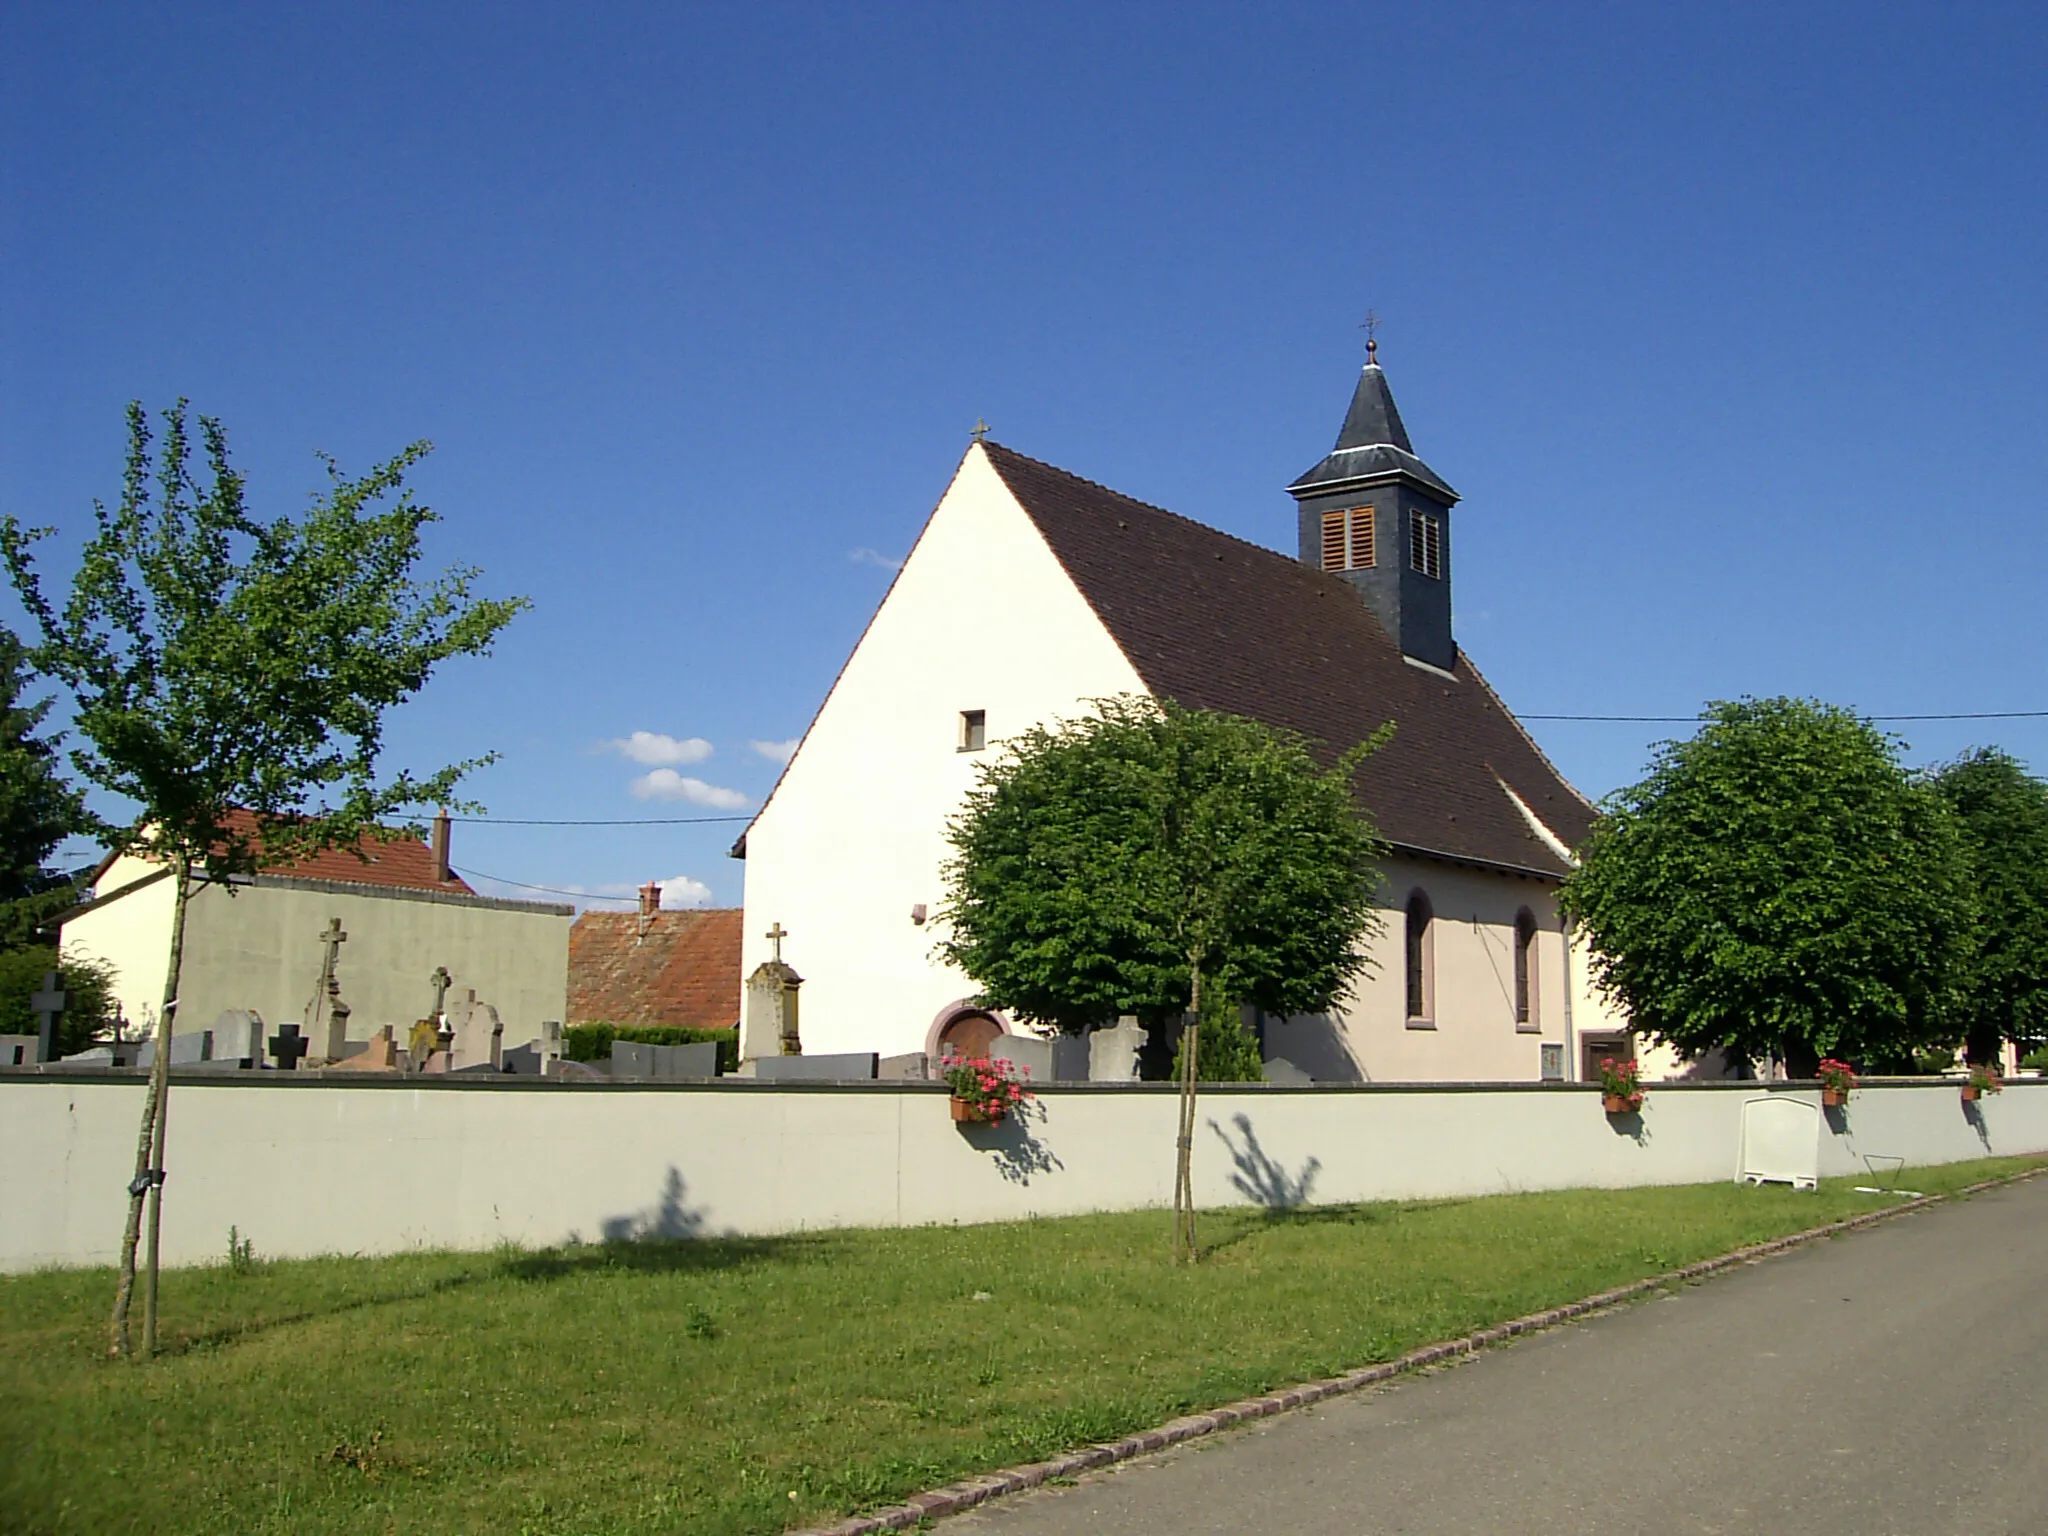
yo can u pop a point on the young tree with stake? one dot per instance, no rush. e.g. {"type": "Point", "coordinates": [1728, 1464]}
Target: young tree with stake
{"type": "Point", "coordinates": [218, 661]}
{"type": "Point", "coordinates": [1150, 859]}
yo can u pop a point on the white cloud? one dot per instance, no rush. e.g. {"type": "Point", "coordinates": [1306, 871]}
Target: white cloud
{"type": "Point", "coordinates": [874, 557]}
{"type": "Point", "coordinates": [776, 751]}
{"type": "Point", "coordinates": [653, 749]}
{"type": "Point", "coordinates": [667, 784]}
{"type": "Point", "coordinates": [681, 892]}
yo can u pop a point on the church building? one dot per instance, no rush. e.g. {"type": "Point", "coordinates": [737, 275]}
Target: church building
{"type": "Point", "coordinates": [1072, 592]}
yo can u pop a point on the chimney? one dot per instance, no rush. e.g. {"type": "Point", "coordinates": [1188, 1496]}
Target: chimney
{"type": "Point", "coordinates": [442, 870]}
{"type": "Point", "coordinates": [650, 899]}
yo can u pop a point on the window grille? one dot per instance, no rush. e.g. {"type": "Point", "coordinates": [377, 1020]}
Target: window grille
{"type": "Point", "coordinates": [1426, 544]}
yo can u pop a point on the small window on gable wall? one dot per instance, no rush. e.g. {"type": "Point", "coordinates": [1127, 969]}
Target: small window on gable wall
{"type": "Point", "coordinates": [1348, 540]}
{"type": "Point", "coordinates": [1525, 970]}
{"type": "Point", "coordinates": [1420, 952]}
{"type": "Point", "coordinates": [1426, 544]}
{"type": "Point", "coordinates": [973, 729]}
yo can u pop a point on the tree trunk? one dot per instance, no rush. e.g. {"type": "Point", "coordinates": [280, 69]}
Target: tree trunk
{"type": "Point", "coordinates": [1184, 1249]}
{"type": "Point", "coordinates": [149, 1153]}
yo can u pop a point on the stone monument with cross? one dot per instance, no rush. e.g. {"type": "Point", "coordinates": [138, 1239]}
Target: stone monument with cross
{"type": "Point", "coordinates": [769, 1026]}
{"type": "Point", "coordinates": [48, 1006]}
{"type": "Point", "coordinates": [325, 1044]}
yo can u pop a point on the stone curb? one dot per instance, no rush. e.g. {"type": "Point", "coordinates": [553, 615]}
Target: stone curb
{"type": "Point", "coordinates": [967, 1493]}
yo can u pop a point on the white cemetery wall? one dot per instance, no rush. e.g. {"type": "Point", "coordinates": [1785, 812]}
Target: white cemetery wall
{"type": "Point", "coordinates": [470, 1163]}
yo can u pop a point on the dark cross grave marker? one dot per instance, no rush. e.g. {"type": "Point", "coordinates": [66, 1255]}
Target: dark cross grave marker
{"type": "Point", "coordinates": [47, 1005]}
{"type": "Point", "coordinates": [288, 1046]}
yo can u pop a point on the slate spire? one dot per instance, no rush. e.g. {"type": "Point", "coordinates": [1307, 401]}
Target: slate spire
{"type": "Point", "coordinates": [1375, 514]}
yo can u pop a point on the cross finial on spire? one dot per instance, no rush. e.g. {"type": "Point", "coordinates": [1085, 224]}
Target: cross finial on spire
{"type": "Point", "coordinates": [775, 936]}
{"type": "Point", "coordinates": [980, 430]}
{"type": "Point", "coordinates": [1370, 325]}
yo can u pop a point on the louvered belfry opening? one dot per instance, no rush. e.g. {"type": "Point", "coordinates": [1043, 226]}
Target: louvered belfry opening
{"type": "Point", "coordinates": [1348, 539]}
{"type": "Point", "coordinates": [1426, 544]}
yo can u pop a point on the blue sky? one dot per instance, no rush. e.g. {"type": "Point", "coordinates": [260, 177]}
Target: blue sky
{"type": "Point", "coordinates": [1730, 323]}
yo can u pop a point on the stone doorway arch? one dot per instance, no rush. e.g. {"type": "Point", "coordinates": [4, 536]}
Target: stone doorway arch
{"type": "Point", "coordinates": [962, 1029]}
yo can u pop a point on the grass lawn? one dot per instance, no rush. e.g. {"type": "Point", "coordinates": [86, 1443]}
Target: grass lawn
{"type": "Point", "coordinates": [747, 1385]}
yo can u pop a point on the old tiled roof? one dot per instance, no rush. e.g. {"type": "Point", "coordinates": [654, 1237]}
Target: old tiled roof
{"type": "Point", "coordinates": [683, 969]}
{"type": "Point", "coordinates": [404, 862]}
{"type": "Point", "coordinates": [1215, 623]}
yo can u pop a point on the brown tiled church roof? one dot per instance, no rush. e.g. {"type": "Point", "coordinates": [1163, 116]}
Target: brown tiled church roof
{"type": "Point", "coordinates": [1213, 622]}
{"type": "Point", "coordinates": [683, 969]}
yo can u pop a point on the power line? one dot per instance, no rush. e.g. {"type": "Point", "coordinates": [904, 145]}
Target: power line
{"type": "Point", "coordinates": [630, 821]}
{"type": "Point", "coordinates": [1989, 714]}
{"type": "Point", "coordinates": [552, 890]}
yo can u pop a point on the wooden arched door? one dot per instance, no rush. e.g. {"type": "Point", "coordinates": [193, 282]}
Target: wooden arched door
{"type": "Point", "coordinates": [969, 1035]}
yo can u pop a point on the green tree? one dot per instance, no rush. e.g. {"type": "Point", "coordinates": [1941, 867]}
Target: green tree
{"type": "Point", "coordinates": [1779, 883]}
{"type": "Point", "coordinates": [217, 660]}
{"type": "Point", "coordinates": [38, 807]}
{"type": "Point", "coordinates": [1129, 859]}
{"type": "Point", "coordinates": [2002, 813]}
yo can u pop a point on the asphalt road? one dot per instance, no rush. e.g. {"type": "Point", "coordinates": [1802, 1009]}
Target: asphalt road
{"type": "Point", "coordinates": [1893, 1381]}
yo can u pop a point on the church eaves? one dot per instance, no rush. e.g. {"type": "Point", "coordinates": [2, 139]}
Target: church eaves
{"type": "Point", "coordinates": [1216, 623]}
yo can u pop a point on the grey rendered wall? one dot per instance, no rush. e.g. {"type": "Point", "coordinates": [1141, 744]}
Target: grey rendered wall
{"type": "Point", "coordinates": [259, 948]}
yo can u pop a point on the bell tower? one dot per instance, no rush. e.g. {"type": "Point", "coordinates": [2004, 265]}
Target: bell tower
{"type": "Point", "coordinates": [1375, 514]}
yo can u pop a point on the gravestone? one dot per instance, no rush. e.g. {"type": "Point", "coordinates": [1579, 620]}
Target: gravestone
{"type": "Point", "coordinates": [849, 1067]}
{"type": "Point", "coordinates": [1030, 1058]}
{"type": "Point", "coordinates": [187, 1050]}
{"type": "Point", "coordinates": [1113, 1053]}
{"type": "Point", "coordinates": [561, 1069]}
{"type": "Point", "coordinates": [420, 1044]}
{"type": "Point", "coordinates": [379, 1054]}
{"type": "Point", "coordinates": [478, 1034]}
{"type": "Point", "coordinates": [911, 1067]}
{"type": "Point", "coordinates": [664, 1063]}
{"type": "Point", "coordinates": [550, 1046]}
{"type": "Point", "coordinates": [331, 1035]}
{"type": "Point", "coordinates": [287, 1046]}
{"type": "Point", "coordinates": [1069, 1058]}
{"type": "Point", "coordinates": [48, 1006]}
{"type": "Point", "coordinates": [17, 1050]}
{"type": "Point", "coordinates": [98, 1056]}
{"type": "Point", "coordinates": [769, 1025]}
{"type": "Point", "coordinates": [238, 1037]}
{"type": "Point", "coordinates": [523, 1060]}
{"type": "Point", "coordinates": [1281, 1070]}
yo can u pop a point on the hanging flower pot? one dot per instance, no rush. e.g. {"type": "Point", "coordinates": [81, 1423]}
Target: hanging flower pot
{"type": "Point", "coordinates": [1971, 1093]}
{"type": "Point", "coordinates": [1621, 1086]}
{"type": "Point", "coordinates": [1836, 1079]}
{"type": "Point", "coordinates": [983, 1091]}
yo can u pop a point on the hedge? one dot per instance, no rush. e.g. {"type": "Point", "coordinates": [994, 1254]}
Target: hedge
{"type": "Point", "coordinates": [593, 1042]}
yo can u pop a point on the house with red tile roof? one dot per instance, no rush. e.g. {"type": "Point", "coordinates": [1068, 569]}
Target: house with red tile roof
{"type": "Point", "coordinates": [255, 941]}
{"type": "Point", "coordinates": [1032, 591]}
{"type": "Point", "coordinates": [652, 967]}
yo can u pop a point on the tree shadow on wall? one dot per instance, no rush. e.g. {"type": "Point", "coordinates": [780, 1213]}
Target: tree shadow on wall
{"type": "Point", "coordinates": [669, 1235]}
{"type": "Point", "coordinates": [1258, 1177]}
{"type": "Point", "coordinates": [1019, 1155]}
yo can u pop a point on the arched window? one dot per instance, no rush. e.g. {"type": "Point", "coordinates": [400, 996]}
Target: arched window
{"type": "Point", "coordinates": [1420, 953]}
{"type": "Point", "coordinates": [1525, 970]}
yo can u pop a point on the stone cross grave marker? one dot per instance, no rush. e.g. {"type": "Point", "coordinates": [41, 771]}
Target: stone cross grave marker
{"type": "Point", "coordinates": [440, 981]}
{"type": "Point", "coordinates": [327, 991]}
{"type": "Point", "coordinates": [47, 1005]}
{"type": "Point", "coordinates": [288, 1045]}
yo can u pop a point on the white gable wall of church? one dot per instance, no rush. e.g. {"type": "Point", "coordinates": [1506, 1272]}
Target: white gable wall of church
{"type": "Point", "coordinates": [981, 617]}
